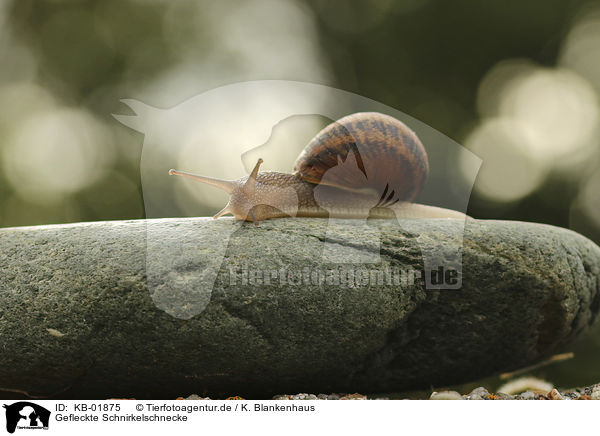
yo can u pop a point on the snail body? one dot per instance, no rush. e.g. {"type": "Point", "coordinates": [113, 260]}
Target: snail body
{"type": "Point", "coordinates": [364, 165]}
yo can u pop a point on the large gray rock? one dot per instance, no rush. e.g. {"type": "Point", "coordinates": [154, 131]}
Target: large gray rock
{"type": "Point", "coordinates": [117, 309]}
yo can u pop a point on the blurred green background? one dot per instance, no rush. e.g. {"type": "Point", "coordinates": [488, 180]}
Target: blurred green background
{"type": "Point", "coordinates": [515, 82]}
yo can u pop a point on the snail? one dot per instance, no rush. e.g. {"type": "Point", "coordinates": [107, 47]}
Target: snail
{"type": "Point", "coordinates": [364, 165]}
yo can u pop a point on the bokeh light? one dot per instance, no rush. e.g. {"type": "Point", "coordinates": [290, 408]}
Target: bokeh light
{"type": "Point", "coordinates": [21, 100]}
{"type": "Point", "coordinates": [285, 45]}
{"type": "Point", "coordinates": [535, 120]}
{"type": "Point", "coordinates": [560, 111]}
{"type": "Point", "coordinates": [56, 153]}
{"type": "Point", "coordinates": [509, 170]}
{"type": "Point", "coordinates": [581, 49]}
{"type": "Point", "coordinates": [497, 80]}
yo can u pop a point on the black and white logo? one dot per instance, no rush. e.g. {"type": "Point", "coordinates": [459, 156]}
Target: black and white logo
{"type": "Point", "coordinates": [26, 415]}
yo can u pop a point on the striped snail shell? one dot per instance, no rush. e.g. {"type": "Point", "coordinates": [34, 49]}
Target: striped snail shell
{"type": "Point", "coordinates": [388, 153]}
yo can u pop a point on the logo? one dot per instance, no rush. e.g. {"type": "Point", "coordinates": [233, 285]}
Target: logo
{"type": "Point", "coordinates": [26, 415]}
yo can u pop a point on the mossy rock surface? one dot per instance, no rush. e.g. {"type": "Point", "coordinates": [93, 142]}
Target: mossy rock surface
{"type": "Point", "coordinates": [163, 308]}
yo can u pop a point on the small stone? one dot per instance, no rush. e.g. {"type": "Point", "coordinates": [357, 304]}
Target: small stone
{"type": "Point", "coordinates": [354, 396]}
{"type": "Point", "coordinates": [527, 395]}
{"type": "Point", "coordinates": [554, 395]}
{"type": "Point", "coordinates": [595, 392]}
{"type": "Point", "coordinates": [283, 397]}
{"type": "Point", "coordinates": [196, 397]}
{"type": "Point", "coordinates": [446, 395]}
{"type": "Point", "coordinates": [322, 396]}
{"type": "Point", "coordinates": [333, 397]}
{"type": "Point", "coordinates": [304, 396]}
{"type": "Point", "coordinates": [55, 333]}
{"type": "Point", "coordinates": [479, 393]}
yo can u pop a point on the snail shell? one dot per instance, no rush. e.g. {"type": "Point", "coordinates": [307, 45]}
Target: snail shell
{"type": "Point", "coordinates": [388, 153]}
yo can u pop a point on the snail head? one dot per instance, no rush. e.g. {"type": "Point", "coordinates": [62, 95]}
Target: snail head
{"type": "Point", "coordinates": [243, 193]}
